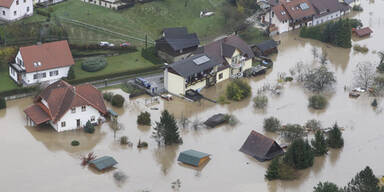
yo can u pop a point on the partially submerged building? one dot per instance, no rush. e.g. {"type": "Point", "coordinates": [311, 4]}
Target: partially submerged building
{"type": "Point", "coordinates": [192, 157]}
{"type": "Point", "coordinates": [176, 44]}
{"type": "Point", "coordinates": [265, 48]}
{"type": "Point", "coordinates": [261, 147]}
{"type": "Point", "coordinates": [66, 107]}
{"type": "Point", "coordinates": [103, 163]}
{"type": "Point", "coordinates": [225, 58]}
{"type": "Point", "coordinates": [215, 120]}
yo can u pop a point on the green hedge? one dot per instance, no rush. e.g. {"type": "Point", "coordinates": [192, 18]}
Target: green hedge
{"type": "Point", "coordinates": [93, 64]}
{"type": "Point", "coordinates": [150, 55]}
{"type": "Point", "coordinates": [114, 75]}
{"type": "Point", "coordinates": [18, 91]}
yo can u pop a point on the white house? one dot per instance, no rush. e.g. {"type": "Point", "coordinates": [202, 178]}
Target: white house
{"type": "Point", "coordinates": [11, 10]}
{"type": "Point", "coordinates": [112, 4]}
{"type": "Point", "coordinates": [327, 10]}
{"type": "Point", "coordinates": [66, 107]}
{"type": "Point", "coordinates": [46, 62]}
{"type": "Point", "coordinates": [352, 3]}
{"type": "Point", "coordinates": [47, 2]}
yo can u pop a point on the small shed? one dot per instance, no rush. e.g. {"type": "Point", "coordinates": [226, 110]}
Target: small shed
{"type": "Point", "coordinates": [362, 32]}
{"type": "Point", "coordinates": [103, 163]}
{"type": "Point", "coordinates": [192, 157]}
{"type": "Point", "coordinates": [265, 48]}
{"type": "Point", "coordinates": [215, 120]}
{"type": "Point", "coordinates": [261, 147]}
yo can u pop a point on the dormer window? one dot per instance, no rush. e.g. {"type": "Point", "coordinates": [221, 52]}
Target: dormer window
{"type": "Point", "coordinates": [283, 13]}
{"type": "Point", "coordinates": [17, 2]}
{"type": "Point", "coordinates": [37, 64]}
{"type": "Point", "coordinates": [83, 108]}
{"type": "Point", "coordinates": [73, 110]}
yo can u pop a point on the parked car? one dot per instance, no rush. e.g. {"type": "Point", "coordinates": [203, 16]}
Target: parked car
{"type": "Point", "coordinates": [125, 44]}
{"type": "Point", "coordinates": [106, 44]}
{"type": "Point", "coordinates": [143, 82]}
{"type": "Point", "coordinates": [359, 89]}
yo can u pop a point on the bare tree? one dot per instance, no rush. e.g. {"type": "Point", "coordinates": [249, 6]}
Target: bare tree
{"type": "Point", "coordinates": [315, 53]}
{"type": "Point", "coordinates": [380, 68]}
{"type": "Point", "coordinates": [318, 78]}
{"type": "Point", "coordinates": [364, 75]}
{"type": "Point", "coordinates": [324, 58]}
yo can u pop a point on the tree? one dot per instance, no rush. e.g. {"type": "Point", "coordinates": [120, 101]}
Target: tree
{"type": "Point", "coordinates": [380, 68]}
{"type": "Point", "coordinates": [71, 74]}
{"type": "Point", "coordinates": [291, 132]}
{"type": "Point", "coordinates": [317, 102]}
{"type": "Point", "coordinates": [324, 58]}
{"type": "Point", "coordinates": [318, 78]}
{"type": "Point", "coordinates": [89, 128]}
{"type": "Point", "coordinates": [326, 187]}
{"type": "Point", "coordinates": [272, 124]}
{"type": "Point", "coordinates": [319, 144]}
{"type": "Point", "coordinates": [249, 6]}
{"type": "Point", "coordinates": [374, 103]}
{"type": "Point", "coordinates": [3, 103]}
{"type": "Point", "coordinates": [313, 125]}
{"type": "Point", "coordinates": [233, 18]}
{"type": "Point", "coordinates": [315, 52]}
{"type": "Point", "coordinates": [238, 90]}
{"type": "Point", "coordinates": [335, 138]}
{"type": "Point", "coordinates": [273, 170]}
{"type": "Point", "coordinates": [117, 100]}
{"type": "Point", "coordinates": [260, 101]}
{"type": "Point", "coordinates": [364, 181]}
{"type": "Point", "coordinates": [364, 75]}
{"type": "Point", "coordinates": [299, 154]}
{"type": "Point", "coordinates": [166, 131]}
{"type": "Point", "coordinates": [144, 118]}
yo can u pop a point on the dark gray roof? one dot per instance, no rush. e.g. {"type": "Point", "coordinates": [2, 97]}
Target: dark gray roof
{"type": "Point", "coordinates": [188, 67]}
{"type": "Point", "coordinates": [266, 45]}
{"type": "Point", "coordinates": [228, 50]}
{"type": "Point", "coordinates": [349, 1]}
{"type": "Point", "coordinates": [104, 162]}
{"type": "Point", "coordinates": [191, 157]}
{"type": "Point", "coordinates": [215, 120]}
{"type": "Point", "coordinates": [178, 38]}
{"type": "Point", "coordinates": [325, 7]}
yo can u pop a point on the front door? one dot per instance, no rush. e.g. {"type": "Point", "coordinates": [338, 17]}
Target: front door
{"type": "Point", "coordinates": [78, 123]}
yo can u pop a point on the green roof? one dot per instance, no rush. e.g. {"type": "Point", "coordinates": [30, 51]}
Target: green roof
{"type": "Point", "coordinates": [191, 157]}
{"type": "Point", "coordinates": [103, 162]}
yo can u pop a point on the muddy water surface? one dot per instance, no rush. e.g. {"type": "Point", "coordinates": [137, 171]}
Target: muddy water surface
{"type": "Point", "coordinates": [39, 159]}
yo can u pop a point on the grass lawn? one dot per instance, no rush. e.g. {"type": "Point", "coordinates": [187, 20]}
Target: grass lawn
{"type": "Point", "coordinates": [120, 63]}
{"type": "Point", "coordinates": [6, 82]}
{"type": "Point", "coordinates": [253, 35]}
{"type": "Point", "coordinates": [149, 18]}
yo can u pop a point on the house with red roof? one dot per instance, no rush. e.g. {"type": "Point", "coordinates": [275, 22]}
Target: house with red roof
{"type": "Point", "coordinates": [66, 107]}
{"type": "Point", "coordinates": [43, 63]}
{"type": "Point", "coordinates": [11, 10]}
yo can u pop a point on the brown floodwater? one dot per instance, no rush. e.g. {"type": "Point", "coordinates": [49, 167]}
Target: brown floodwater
{"type": "Point", "coordinates": [39, 159]}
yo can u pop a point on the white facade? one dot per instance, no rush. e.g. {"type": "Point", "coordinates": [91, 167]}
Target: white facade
{"type": "Point", "coordinates": [282, 26]}
{"type": "Point", "coordinates": [49, 75]}
{"type": "Point", "coordinates": [325, 18]}
{"type": "Point", "coordinates": [112, 4]}
{"type": "Point", "coordinates": [50, 1]}
{"type": "Point", "coordinates": [18, 10]}
{"type": "Point", "coordinates": [77, 118]}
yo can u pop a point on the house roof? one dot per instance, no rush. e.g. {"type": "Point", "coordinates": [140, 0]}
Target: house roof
{"type": "Point", "coordinates": [48, 55]}
{"type": "Point", "coordinates": [266, 45]}
{"type": "Point", "coordinates": [178, 38]}
{"type": "Point", "coordinates": [298, 9]}
{"type": "Point", "coordinates": [221, 48]}
{"type": "Point", "coordinates": [215, 120]}
{"type": "Point", "coordinates": [37, 114]}
{"type": "Point", "coordinates": [258, 146]}
{"type": "Point", "coordinates": [191, 157]}
{"type": "Point", "coordinates": [280, 12]}
{"type": "Point", "coordinates": [194, 64]}
{"type": "Point", "coordinates": [61, 97]}
{"type": "Point", "coordinates": [325, 7]}
{"type": "Point", "coordinates": [349, 1]}
{"type": "Point", "coordinates": [104, 162]}
{"type": "Point", "coordinates": [363, 31]}
{"type": "Point", "coordinates": [6, 3]}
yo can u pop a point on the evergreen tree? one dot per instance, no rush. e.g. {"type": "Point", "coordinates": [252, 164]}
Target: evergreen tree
{"type": "Point", "coordinates": [335, 139]}
{"type": "Point", "coordinates": [380, 68]}
{"type": "Point", "coordinates": [167, 131]}
{"type": "Point", "coordinates": [326, 187]}
{"type": "Point", "coordinates": [364, 181]}
{"type": "Point", "coordinates": [273, 170]}
{"type": "Point", "coordinates": [319, 144]}
{"type": "Point", "coordinates": [299, 154]}
{"type": "Point", "coordinates": [71, 74]}
{"type": "Point", "coordinates": [3, 103]}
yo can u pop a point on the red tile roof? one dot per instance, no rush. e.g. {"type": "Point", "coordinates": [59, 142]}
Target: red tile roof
{"type": "Point", "coordinates": [50, 55]}
{"type": "Point", "coordinates": [37, 114]}
{"type": "Point", "coordinates": [363, 31]}
{"type": "Point", "coordinates": [280, 12]}
{"type": "Point", "coordinates": [295, 10]}
{"type": "Point", "coordinates": [6, 3]}
{"type": "Point", "coordinates": [61, 97]}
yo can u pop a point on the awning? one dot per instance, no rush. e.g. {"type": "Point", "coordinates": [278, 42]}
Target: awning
{"type": "Point", "coordinates": [36, 114]}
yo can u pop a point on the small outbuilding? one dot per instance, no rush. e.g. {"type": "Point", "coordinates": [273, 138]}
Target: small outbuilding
{"type": "Point", "coordinates": [362, 32]}
{"type": "Point", "coordinates": [103, 163]}
{"type": "Point", "coordinates": [192, 157]}
{"type": "Point", "coordinates": [265, 48]}
{"type": "Point", "coordinates": [215, 120]}
{"type": "Point", "coordinates": [261, 147]}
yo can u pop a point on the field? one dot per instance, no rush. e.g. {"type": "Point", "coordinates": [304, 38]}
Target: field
{"type": "Point", "coordinates": [6, 81]}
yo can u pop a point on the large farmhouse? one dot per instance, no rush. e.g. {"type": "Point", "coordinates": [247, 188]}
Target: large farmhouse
{"type": "Point", "coordinates": [66, 107]}
{"type": "Point", "coordinates": [46, 62]}
{"type": "Point", "coordinates": [225, 58]}
{"type": "Point", "coordinates": [11, 10]}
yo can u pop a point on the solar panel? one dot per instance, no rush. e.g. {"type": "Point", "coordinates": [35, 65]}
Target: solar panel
{"type": "Point", "coordinates": [201, 60]}
{"type": "Point", "coordinates": [304, 6]}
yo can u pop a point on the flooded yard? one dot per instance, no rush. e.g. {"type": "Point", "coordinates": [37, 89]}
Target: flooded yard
{"type": "Point", "coordinates": [40, 159]}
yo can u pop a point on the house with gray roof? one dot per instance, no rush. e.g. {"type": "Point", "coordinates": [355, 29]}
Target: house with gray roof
{"type": "Point", "coordinates": [176, 43]}
{"type": "Point", "coordinates": [327, 10]}
{"type": "Point", "coordinates": [193, 157]}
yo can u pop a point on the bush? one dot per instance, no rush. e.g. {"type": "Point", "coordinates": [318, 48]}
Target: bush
{"type": "Point", "coordinates": [3, 103]}
{"type": "Point", "coordinates": [43, 12]}
{"type": "Point", "coordinates": [335, 138]}
{"type": "Point", "coordinates": [118, 100]}
{"type": "Point", "coordinates": [260, 101]}
{"type": "Point", "coordinates": [273, 170]}
{"type": "Point", "coordinates": [288, 79]}
{"type": "Point", "coordinates": [313, 125]}
{"type": "Point", "coordinates": [133, 89]}
{"type": "Point", "coordinates": [272, 124]}
{"type": "Point", "coordinates": [108, 96]}
{"type": "Point", "coordinates": [71, 73]}
{"type": "Point", "coordinates": [142, 144]}
{"type": "Point", "coordinates": [318, 102]}
{"type": "Point", "coordinates": [299, 154]}
{"type": "Point", "coordinates": [326, 187]}
{"type": "Point", "coordinates": [231, 119]}
{"type": "Point", "coordinates": [93, 64]}
{"type": "Point", "coordinates": [279, 170]}
{"type": "Point", "coordinates": [144, 118]}
{"type": "Point", "coordinates": [89, 128]}
{"type": "Point", "coordinates": [222, 100]}
{"type": "Point", "coordinates": [238, 90]}
{"type": "Point", "coordinates": [319, 144]}
{"type": "Point", "coordinates": [361, 49]}
{"type": "Point", "coordinates": [150, 55]}
{"type": "Point", "coordinates": [357, 8]}
{"type": "Point", "coordinates": [373, 104]}
{"type": "Point", "coordinates": [291, 132]}
{"type": "Point", "coordinates": [124, 140]}
{"type": "Point", "coordinates": [75, 143]}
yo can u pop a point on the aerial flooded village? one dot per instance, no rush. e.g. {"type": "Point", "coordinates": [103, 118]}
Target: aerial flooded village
{"type": "Point", "coordinates": [192, 95]}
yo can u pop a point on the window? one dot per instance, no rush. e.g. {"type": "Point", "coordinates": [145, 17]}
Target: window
{"type": "Point", "coordinates": [53, 73]}
{"type": "Point", "coordinates": [17, 2]}
{"type": "Point", "coordinates": [220, 75]}
{"type": "Point", "coordinates": [14, 13]}
{"type": "Point", "coordinates": [83, 108]}
{"type": "Point", "coordinates": [3, 12]}
{"type": "Point", "coordinates": [63, 124]}
{"type": "Point", "coordinates": [27, 9]}
{"type": "Point", "coordinates": [73, 110]}
{"type": "Point", "coordinates": [25, 1]}
{"type": "Point", "coordinates": [93, 118]}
